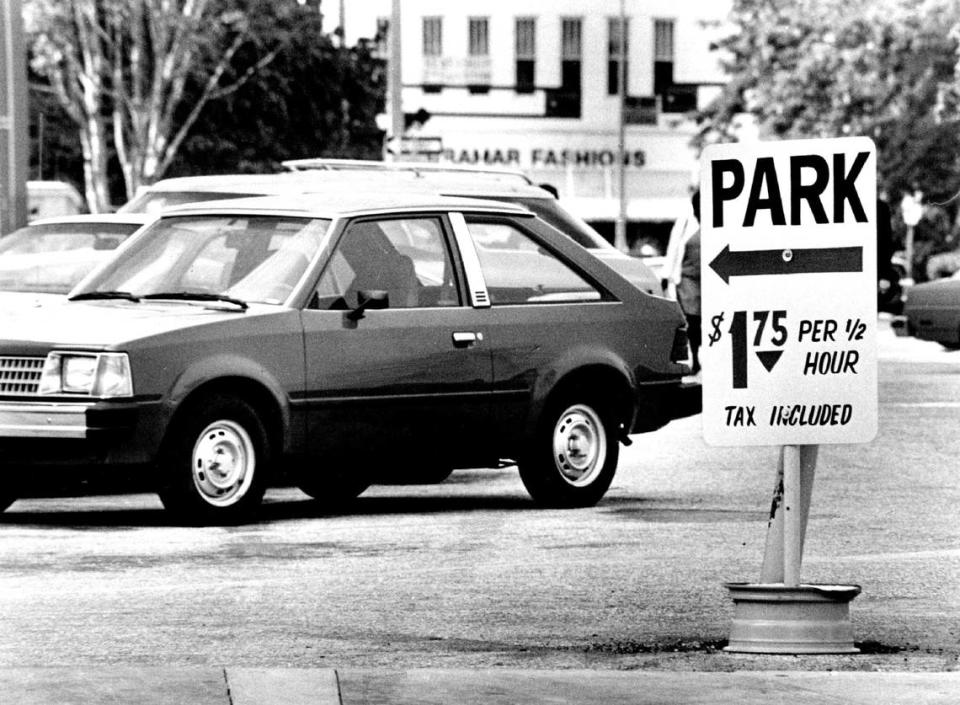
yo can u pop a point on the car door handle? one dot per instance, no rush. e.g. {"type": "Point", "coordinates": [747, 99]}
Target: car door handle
{"type": "Point", "coordinates": [466, 339]}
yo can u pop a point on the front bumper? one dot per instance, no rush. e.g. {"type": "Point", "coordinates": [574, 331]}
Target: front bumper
{"type": "Point", "coordinates": [42, 420]}
{"type": "Point", "coordinates": [79, 432]}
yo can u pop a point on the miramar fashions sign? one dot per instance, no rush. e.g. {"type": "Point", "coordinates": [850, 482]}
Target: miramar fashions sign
{"type": "Point", "coordinates": [541, 157]}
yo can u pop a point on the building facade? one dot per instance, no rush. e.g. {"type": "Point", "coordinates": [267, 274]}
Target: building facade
{"type": "Point", "coordinates": [534, 85]}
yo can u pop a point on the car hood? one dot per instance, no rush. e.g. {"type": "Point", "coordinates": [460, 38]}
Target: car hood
{"type": "Point", "coordinates": [18, 300]}
{"type": "Point", "coordinates": [631, 269]}
{"type": "Point", "coordinates": [104, 324]}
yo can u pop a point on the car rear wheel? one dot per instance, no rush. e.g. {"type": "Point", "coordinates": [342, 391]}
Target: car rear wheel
{"type": "Point", "coordinates": [573, 457]}
{"type": "Point", "coordinates": [215, 462]}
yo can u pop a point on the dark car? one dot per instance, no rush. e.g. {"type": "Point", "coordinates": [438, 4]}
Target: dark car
{"type": "Point", "coordinates": [236, 345]}
{"type": "Point", "coordinates": [931, 311]}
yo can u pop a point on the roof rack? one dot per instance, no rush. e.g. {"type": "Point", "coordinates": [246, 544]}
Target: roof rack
{"type": "Point", "coordinates": [417, 168]}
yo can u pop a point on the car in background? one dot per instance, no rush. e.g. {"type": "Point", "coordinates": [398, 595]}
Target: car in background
{"type": "Point", "coordinates": [931, 311]}
{"type": "Point", "coordinates": [334, 342]}
{"type": "Point", "coordinates": [48, 257]}
{"type": "Point", "coordinates": [48, 199]}
{"type": "Point", "coordinates": [346, 176]}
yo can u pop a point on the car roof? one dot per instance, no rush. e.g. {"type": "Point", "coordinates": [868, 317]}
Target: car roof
{"type": "Point", "coordinates": [436, 181]}
{"type": "Point", "coordinates": [420, 169]}
{"type": "Point", "coordinates": [346, 204]}
{"type": "Point", "coordinates": [129, 218]}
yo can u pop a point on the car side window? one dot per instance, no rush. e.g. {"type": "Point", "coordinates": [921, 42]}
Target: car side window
{"type": "Point", "coordinates": [406, 257]}
{"type": "Point", "coordinates": [518, 270]}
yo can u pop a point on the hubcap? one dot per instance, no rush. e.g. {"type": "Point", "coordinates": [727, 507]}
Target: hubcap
{"type": "Point", "coordinates": [579, 445]}
{"type": "Point", "coordinates": [223, 463]}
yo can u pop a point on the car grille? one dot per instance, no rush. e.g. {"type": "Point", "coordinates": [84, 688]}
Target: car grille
{"type": "Point", "coordinates": [20, 375]}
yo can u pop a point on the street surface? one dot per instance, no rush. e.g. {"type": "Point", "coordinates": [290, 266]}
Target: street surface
{"type": "Point", "coordinates": [468, 574]}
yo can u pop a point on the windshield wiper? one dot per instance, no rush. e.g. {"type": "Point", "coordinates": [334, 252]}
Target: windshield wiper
{"type": "Point", "coordinates": [126, 295]}
{"type": "Point", "coordinates": [196, 296]}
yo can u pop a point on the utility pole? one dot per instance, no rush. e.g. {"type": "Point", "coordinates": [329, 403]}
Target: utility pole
{"type": "Point", "coordinates": [14, 140]}
{"type": "Point", "coordinates": [620, 231]}
{"type": "Point", "coordinates": [395, 82]}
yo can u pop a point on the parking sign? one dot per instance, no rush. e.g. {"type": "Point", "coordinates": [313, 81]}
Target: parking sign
{"type": "Point", "coordinates": [789, 292]}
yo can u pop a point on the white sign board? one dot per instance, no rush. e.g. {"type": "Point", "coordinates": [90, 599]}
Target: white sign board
{"type": "Point", "coordinates": [789, 292]}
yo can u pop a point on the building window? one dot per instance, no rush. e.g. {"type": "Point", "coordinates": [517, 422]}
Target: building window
{"type": "Point", "coordinates": [613, 52]}
{"type": "Point", "coordinates": [565, 101]}
{"type": "Point", "coordinates": [479, 37]}
{"type": "Point", "coordinates": [478, 59]}
{"type": "Point", "coordinates": [380, 40]}
{"type": "Point", "coordinates": [433, 36]}
{"type": "Point", "coordinates": [662, 58]}
{"type": "Point", "coordinates": [526, 54]}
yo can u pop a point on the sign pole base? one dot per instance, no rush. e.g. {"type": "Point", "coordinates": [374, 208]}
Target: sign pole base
{"type": "Point", "coordinates": [803, 619]}
{"type": "Point", "coordinates": [779, 615]}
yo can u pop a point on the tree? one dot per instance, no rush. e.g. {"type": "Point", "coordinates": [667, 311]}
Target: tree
{"type": "Point", "coordinates": [316, 98]}
{"type": "Point", "coordinates": [120, 70]}
{"type": "Point", "coordinates": [887, 69]}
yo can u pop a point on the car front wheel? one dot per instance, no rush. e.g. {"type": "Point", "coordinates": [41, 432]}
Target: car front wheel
{"type": "Point", "coordinates": [216, 461]}
{"type": "Point", "coordinates": [574, 454]}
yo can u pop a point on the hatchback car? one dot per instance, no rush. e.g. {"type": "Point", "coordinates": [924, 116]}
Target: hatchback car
{"type": "Point", "coordinates": [235, 345]}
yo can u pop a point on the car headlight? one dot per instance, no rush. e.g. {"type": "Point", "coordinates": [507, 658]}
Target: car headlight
{"type": "Point", "coordinates": [92, 374]}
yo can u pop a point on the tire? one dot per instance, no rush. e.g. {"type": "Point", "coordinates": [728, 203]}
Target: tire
{"type": "Point", "coordinates": [573, 456]}
{"type": "Point", "coordinates": [216, 461]}
{"type": "Point", "coordinates": [336, 488]}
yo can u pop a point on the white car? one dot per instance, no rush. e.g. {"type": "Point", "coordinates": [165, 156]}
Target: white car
{"type": "Point", "coordinates": [352, 177]}
{"type": "Point", "coordinates": [44, 260]}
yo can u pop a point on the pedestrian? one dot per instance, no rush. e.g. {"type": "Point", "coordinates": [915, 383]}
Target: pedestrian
{"type": "Point", "coordinates": [688, 289]}
{"type": "Point", "coordinates": [889, 291]}
{"type": "Point", "coordinates": [683, 228]}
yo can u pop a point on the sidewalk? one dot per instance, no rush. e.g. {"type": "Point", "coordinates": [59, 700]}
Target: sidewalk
{"type": "Point", "coordinates": [250, 686]}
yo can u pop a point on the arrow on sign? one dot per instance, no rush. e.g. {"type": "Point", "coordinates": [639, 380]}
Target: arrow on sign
{"type": "Point", "coordinates": [769, 358]}
{"type": "Point", "coordinates": [821, 260]}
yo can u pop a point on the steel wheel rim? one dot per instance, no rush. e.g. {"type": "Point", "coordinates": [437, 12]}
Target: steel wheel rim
{"type": "Point", "coordinates": [223, 463]}
{"type": "Point", "coordinates": [579, 445]}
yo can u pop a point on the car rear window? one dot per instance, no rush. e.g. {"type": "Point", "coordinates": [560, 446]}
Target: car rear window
{"type": "Point", "coordinates": [553, 213]}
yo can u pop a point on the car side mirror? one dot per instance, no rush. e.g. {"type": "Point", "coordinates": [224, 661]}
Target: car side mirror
{"type": "Point", "coordinates": [369, 299]}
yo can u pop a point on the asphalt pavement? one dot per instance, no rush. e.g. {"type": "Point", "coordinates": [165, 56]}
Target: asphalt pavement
{"type": "Point", "coordinates": [702, 677]}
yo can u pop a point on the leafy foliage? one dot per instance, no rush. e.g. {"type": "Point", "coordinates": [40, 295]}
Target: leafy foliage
{"type": "Point", "coordinates": [316, 98]}
{"type": "Point", "coordinates": [887, 69]}
{"type": "Point", "coordinates": [191, 86]}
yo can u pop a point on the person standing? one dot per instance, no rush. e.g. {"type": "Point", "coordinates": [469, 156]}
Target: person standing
{"type": "Point", "coordinates": [684, 226]}
{"type": "Point", "coordinates": [688, 288]}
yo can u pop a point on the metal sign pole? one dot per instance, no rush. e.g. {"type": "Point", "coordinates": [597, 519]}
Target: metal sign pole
{"type": "Point", "coordinates": [789, 512]}
{"type": "Point", "coordinates": [14, 143]}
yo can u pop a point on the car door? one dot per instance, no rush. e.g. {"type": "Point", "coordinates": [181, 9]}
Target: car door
{"type": "Point", "coordinates": [411, 380]}
{"type": "Point", "coordinates": [544, 315]}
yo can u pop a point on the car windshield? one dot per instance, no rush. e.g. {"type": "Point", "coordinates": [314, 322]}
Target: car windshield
{"type": "Point", "coordinates": [252, 258]}
{"type": "Point", "coordinates": [155, 201]}
{"type": "Point", "coordinates": [52, 258]}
